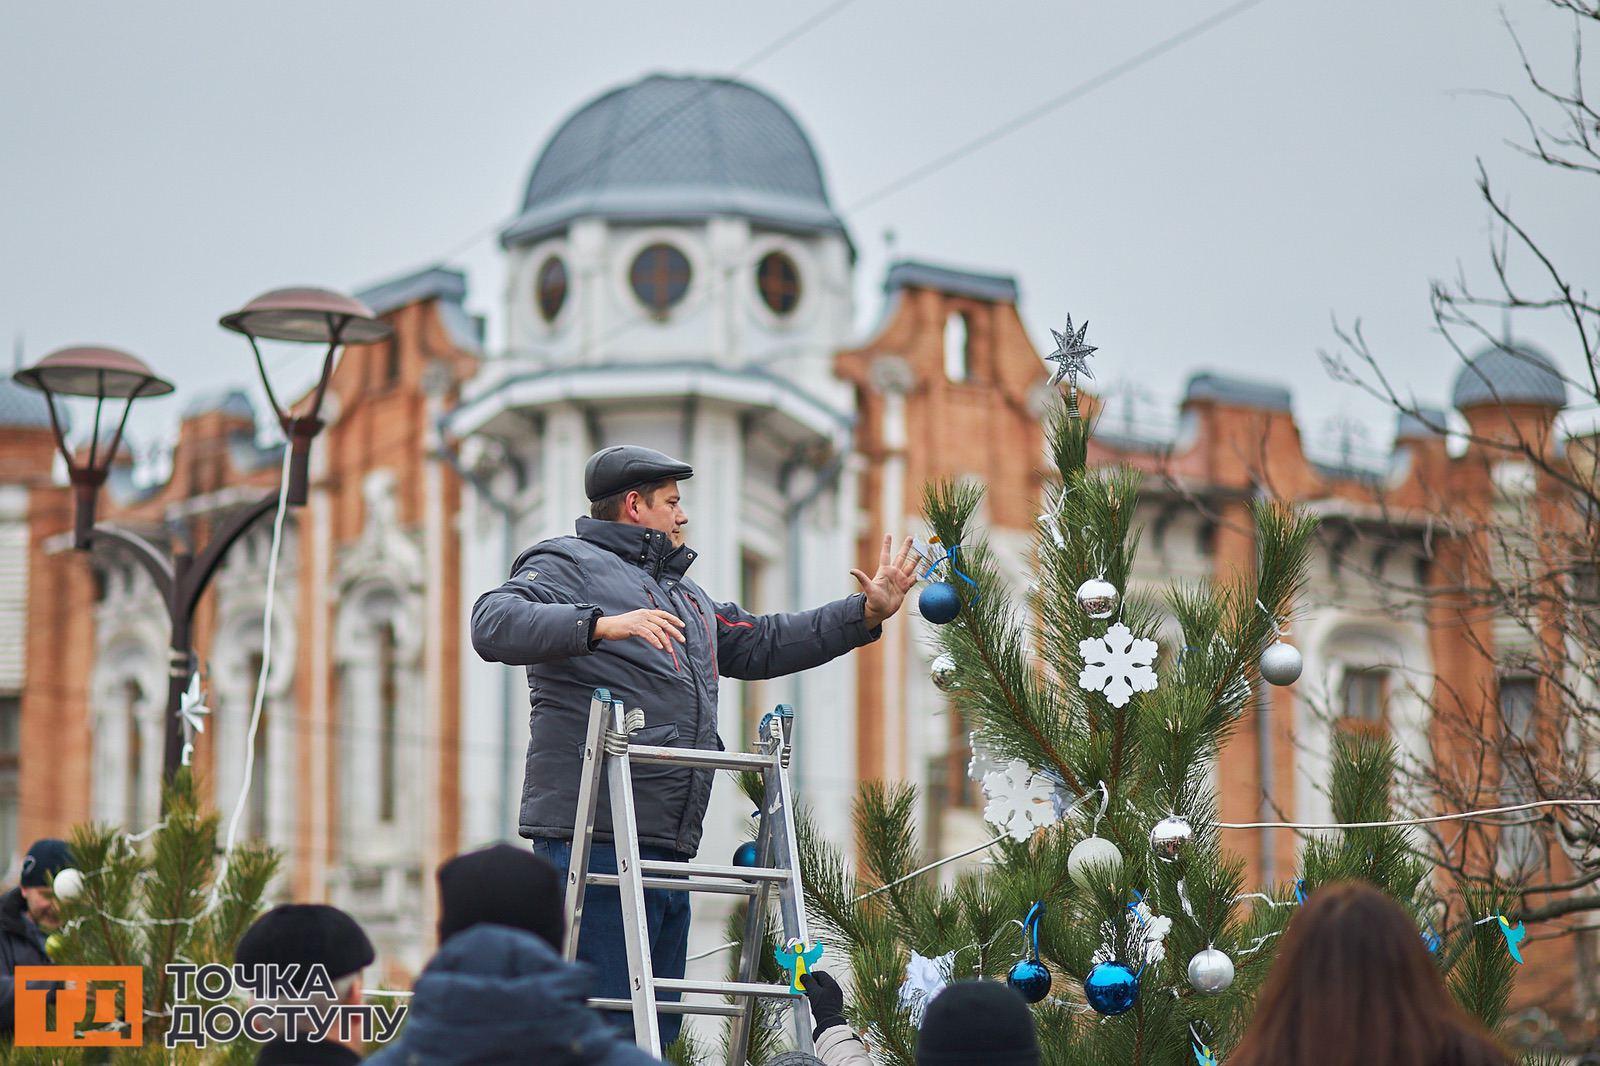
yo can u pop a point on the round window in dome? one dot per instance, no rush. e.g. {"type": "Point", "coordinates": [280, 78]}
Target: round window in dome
{"type": "Point", "coordinates": [551, 288]}
{"type": "Point", "coordinates": [778, 280]}
{"type": "Point", "coordinates": [660, 277]}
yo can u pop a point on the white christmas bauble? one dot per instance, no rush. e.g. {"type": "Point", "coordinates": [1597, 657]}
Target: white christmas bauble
{"type": "Point", "coordinates": [1281, 663]}
{"type": "Point", "coordinates": [944, 672]}
{"type": "Point", "coordinates": [68, 884]}
{"type": "Point", "coordinates": [1090, 859]}
{"type": "Point", "coordinates": [1170, 836]}
{"type": "Point", "coordinates": [1098, 598]}
{"type": "Point", "coordinates": [1210, 971]}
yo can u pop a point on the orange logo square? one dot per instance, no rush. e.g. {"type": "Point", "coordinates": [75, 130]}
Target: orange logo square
{"type": "Point", "coordinates": [77, 1006]}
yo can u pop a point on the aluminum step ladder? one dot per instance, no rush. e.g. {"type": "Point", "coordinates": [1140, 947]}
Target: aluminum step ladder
{"type": "Point", "coordinates": [608, 747]}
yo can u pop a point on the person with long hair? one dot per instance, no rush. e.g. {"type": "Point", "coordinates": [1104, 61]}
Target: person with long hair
{"type": "Point", "coordinates": [1354, 984]}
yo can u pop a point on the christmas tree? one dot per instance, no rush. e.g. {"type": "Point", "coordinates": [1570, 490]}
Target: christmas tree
{"type": "Point", "coordinates": [149, 901]}
{"type": "Point", "coordinates": [1110, 898]}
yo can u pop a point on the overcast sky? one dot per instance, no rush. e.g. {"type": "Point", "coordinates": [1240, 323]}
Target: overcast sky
{"type": "Point", "coordinates": [1214, 208]}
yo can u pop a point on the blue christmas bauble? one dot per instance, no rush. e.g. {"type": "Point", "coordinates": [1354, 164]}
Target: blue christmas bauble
{"type": "Point", "coordinates": [1031, 980]}
{"type": "Point", "coordinates": [747, 855]}
{"type": "Point", "coordinates": [1111, 988]}
{"type": "Point", "coordinates": [938, 603]}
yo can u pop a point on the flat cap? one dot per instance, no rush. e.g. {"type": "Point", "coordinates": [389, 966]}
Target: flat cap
{"type": "Point", "coordinates": [622, 467]}
{"type": "Point", "coordinates": [307, 934]}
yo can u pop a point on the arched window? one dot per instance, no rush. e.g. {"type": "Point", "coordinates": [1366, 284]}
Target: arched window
{"type": "Point", "coordinates": [957, 348]}
{"type": "Point", "coordinates": [10, 771]}
{"type": "Point", "coordinates": [778, 279]}
{"type": "Point", "coordinates": [660, 277]}
{"type": "Point", "coordinates": [133, 754]}
{"type": "Point", "coordinates": [1521, 846]}
{"type": "Point", "coordinates": [551, 288]}
{"type": "Point", "coordinates": [388, 719]}
{"type": "Point", "coordinates": [1364, 699]}
{"type": "Point", "coordinates": [258, 807]}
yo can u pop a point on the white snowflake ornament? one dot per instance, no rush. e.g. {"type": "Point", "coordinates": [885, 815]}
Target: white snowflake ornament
{"type": "Point", "coordinates": [983, 761]}
{"type": "Point", "coordinates": [1117, 664]}
{"type": "Point", "coordinates": [1020, 801]}
{"type": "Point", "coordinates": [925, 978]}
{"type": "Point", "coordinates": [1154, 929]}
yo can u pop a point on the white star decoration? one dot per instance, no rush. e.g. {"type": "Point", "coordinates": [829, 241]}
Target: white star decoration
{"type": "Point", "coordinates": [1020, 801]}
{"type": "Point", "coordinates": [1117, 664]}
{"type": "Point", "coordinates": [925, 978]}
{"type": "Point", "coordinates": [1071, 355]}
{"type": "Point", "coordinates": [193, 711]}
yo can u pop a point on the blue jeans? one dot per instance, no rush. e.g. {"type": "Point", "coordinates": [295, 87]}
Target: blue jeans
{"type": "Point", "coordinates": [600, 939]}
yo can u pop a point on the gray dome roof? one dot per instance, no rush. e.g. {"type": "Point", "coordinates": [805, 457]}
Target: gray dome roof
{"type": "Point", "coordinates": [22, 408]}
{"type": "Point", "coordinates": [667, 148]}
{"type": "Point", "coordinates": [1509, 373]}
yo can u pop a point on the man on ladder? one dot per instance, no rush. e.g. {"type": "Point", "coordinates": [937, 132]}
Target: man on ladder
{"type": "Point", "coordinates": [612, 608]}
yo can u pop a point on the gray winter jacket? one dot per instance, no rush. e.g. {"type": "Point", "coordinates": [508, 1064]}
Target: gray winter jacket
{"type": "Point", "coordinates": [543, 618]}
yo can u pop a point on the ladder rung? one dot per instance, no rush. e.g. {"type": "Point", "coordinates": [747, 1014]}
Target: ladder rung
{"type": "Point", "coordinates": [725, 988]}
{"type": "Point", "coordinates": [725, 1010]}
{"type": "Point", "coordinates": [698, 758]}
{"type": "Point", "coordinates": [682, 884]}
{"type": "Point", "coordinates": [689, 869]}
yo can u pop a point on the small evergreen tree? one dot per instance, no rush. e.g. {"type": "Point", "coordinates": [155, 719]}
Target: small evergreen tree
{"type": "Point", "coordinates": [149, 902]}
{"type": "Point", "coordinates": [1014, 676]}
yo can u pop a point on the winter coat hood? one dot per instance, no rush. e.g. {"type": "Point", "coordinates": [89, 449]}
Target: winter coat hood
{"type": "Point", "coordinates": [495, 994]}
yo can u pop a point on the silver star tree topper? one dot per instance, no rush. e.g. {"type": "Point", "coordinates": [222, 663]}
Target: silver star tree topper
{"type": "Point", "coordinates": [1071, 355]}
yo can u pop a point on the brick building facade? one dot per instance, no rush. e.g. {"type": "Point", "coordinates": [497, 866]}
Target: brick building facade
{"type": "Point", "coordinates": [706, 312]}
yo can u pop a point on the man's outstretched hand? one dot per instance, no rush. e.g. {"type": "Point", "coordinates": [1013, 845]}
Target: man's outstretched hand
{"type": "Point", "coordinates": [827, 999]}
{"type": "Point", "coordinates": [886, 590]}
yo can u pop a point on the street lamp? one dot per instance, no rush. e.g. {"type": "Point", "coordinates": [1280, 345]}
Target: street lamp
{"type": "Point", "coordinates": [100, 374]}
{"type": "Point", "coordinates": [306, 316]}
{"type": "Point", "coordinates": [301, 314]}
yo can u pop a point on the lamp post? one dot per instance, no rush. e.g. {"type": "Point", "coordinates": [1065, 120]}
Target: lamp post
{"type": "Point", "coordinates": [304, 315]}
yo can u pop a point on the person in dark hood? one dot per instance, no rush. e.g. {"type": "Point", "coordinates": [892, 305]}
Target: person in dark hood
{"type": "Point", "coordinates": [977, 1022]}
{"type": "Point", "coordinates": [498, 990]}
{"type": "Point", "coordinates": [310, 934]}
{"type": "Point", "coordinates": [613, 607]}
{"type": "Point", "coordinates": [28, 915]}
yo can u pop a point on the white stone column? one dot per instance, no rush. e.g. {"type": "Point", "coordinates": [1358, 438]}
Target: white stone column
{"type": "Point", "coordinates": [314, 771]}
{"type": "Point", "coordinates": [729, 240]}
{"type": "Point", "coordinates": [565, 450]}
{"type": "Point", "coordinates": [590, 262]}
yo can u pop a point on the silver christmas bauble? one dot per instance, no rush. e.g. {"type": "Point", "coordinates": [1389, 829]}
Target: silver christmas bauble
{"type": "Point", "coordinates": [944, 672]}
{"type": "Point", "coordinates": [1092, 859]}
{"type": "Point", "coordinates": [1170, 837]}
{"type": "Point", "coordinates": [1098, 598]}
{"type": "Point", "coordinates": [1210, 971]}
{"type": "Point", "coordinates": [1281, 663]}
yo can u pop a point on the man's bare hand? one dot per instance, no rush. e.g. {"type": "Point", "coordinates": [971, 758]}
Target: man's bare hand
{"type": "Point", "coordinates": [657, 627]}
{"type": "Point", "coordinates": [886, 590]}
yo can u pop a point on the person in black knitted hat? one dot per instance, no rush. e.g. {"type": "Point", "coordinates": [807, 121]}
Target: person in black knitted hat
{"type": "Point", "coordinates": [310, 934]}
{"type": "Point", "coordinates": [977, 1022]}
{"type": "Point", "coordinates": [27, 915]}
{"type": "Point", "coordinates": [498, 990]}
{"type": "Point", "coordinates": [501, 885]}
